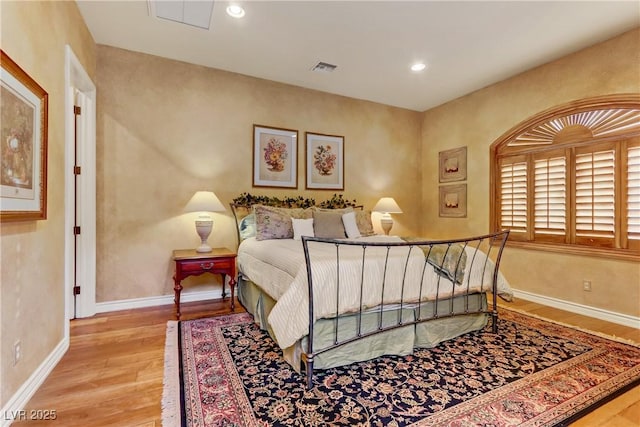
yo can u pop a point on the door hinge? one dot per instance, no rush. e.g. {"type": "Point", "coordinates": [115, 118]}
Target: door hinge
{"type": "Point", "coordinates": [76, 290]}
{"type": "Point", "coordinates": [77, 110]}
{"type": "Point", "coordinates": [76, 230]}
{"type": "Point", "coordinates": [77, 170]}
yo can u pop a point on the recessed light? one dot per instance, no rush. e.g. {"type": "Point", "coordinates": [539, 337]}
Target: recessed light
{"type": "Point", "coordinates": [418, 66]}
{"type": "Point", "coordinates": [235, 11]}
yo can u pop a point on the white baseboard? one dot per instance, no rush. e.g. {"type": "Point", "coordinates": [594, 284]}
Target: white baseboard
{"type": "Point", "coordinates": [128, 304]}
{"type": "Point", "coordinates": [598, 313]}
{"type": "Point", "coordinates": [13, 410]}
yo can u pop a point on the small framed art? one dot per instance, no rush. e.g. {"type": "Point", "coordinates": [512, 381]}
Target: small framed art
{"type": "Point", "coordinates": [325, 161]}
{"type": "Point", "coordinates": [453, 201]}
{"type": "Point", "coordinates": [275, 157]}
{"type": "Point", "coordinates": [23, 144]}
{"type": "Point", "coordinates": [453, 165]}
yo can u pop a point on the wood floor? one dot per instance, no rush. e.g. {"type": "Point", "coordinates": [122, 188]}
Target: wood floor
{"type": "Point", "coordinates": [112, 373]}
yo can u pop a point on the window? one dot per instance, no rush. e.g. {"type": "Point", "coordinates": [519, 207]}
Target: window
{"type": "Point", "coordinates": [569, 179]}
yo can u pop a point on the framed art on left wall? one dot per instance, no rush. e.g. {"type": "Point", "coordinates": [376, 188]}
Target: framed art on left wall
{"type": "Point", "coordinates": [23, 144]}
{"type": "Point", "coordinates": [275, 157]}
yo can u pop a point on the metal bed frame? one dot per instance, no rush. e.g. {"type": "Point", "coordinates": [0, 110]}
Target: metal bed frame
{"type": "Point", "coordinates": [486, 244]}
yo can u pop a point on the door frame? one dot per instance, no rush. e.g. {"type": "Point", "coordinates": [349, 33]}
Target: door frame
{"type": "Point", "coordinates": [76, 78]}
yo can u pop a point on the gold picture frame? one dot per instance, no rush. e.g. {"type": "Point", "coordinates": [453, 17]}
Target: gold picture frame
{"type": "Point", "coordinates": [23, 142]}
{"type": "Point", "coordinates": [453, 201]}
{"type": "Point", "coordinates": [275, 157]}
{"type": "Point", "coordinates": [325, 161]}
{"type": "Point", "coordinates": [453, 165]}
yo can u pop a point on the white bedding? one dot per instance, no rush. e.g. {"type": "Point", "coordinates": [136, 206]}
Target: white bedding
{"type": "Point", "coordinates": [278, 267]}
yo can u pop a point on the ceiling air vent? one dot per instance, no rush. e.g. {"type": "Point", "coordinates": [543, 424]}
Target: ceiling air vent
{"type": "Point", "coordinates": [324, 67]}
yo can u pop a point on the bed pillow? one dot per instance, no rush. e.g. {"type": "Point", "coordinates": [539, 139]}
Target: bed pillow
{"type": "Point", "coordinates": [341, 210]}
{"type": "Point", "coordinates": [302, 227]}
{"type": "Point", "coordinates": [328, 224]}
{"type": "Point", "coordinates": [350, 225]}
{"type": "Point", "coordinates": [247, 226]}
{"type": "Point", "coordinates": [365, 226]}
{"type": "Point", "coordinates": [275, 223]}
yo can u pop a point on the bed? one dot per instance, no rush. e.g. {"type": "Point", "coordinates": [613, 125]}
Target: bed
{"type": "Point", "coordinates": [358, 294]}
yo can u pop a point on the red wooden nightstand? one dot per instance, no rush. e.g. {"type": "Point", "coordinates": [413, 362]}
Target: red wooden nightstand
{"type": "Point", "coordinates": [191, 263]}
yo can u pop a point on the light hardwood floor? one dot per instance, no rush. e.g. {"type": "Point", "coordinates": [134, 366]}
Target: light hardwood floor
{"type": "Point", "coordinates": [112, 373]}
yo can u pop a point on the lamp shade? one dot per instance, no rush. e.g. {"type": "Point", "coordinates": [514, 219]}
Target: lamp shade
{"type": "Point", "coordinates": [387, 205]}
{"type": "Point", "coordinates": [204, 201]}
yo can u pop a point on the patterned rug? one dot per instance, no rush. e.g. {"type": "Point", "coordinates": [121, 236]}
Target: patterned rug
{"type": "Point", "coordinates": [224, 371]}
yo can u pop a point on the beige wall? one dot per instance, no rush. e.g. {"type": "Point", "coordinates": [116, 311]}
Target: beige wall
{"type": "Point", "coordinates": [167, 129]}
{"type": "Point", "coordinates": [478, 119]}
{"type": "Point", "coordinates": [34, 35]}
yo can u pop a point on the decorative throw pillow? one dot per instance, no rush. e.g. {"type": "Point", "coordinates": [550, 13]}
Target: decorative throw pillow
{"type": "Point", "coordinates": [350, 225]}
{"type": "Point", "coordinates": [341, 210]}
{"type": "Point", "coordinates": [275, 223]}
{"type": "Point", "coordinates": [302, 227]}
{"type": "Point", "coordinates": [328, 224]}
{"type": "Point", "coordinates": [248, 226]}
{"type": "Point", "coordinates": [363, 219]}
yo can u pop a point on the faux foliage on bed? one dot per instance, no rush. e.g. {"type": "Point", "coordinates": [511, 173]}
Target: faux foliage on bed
{"type": "Point", "coordinates": [335, 202]}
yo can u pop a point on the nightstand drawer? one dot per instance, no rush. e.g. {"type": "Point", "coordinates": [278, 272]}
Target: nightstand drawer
{"type": "Point", "coordinates": [205, 265]}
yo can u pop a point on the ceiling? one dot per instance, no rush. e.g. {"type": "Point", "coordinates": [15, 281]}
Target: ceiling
{"type": "Point", "coordinates": [467, 45]}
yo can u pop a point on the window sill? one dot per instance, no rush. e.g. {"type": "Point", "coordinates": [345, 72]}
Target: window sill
{"type": "Point", "coordinates": [619, 254]}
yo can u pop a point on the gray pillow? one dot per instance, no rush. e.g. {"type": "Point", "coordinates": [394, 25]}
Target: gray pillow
{"type": "Point", "coordinates": [328, 225]}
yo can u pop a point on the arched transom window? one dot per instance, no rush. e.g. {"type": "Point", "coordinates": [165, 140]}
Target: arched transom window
{"type": "Point", "coordinates": [568, 179]}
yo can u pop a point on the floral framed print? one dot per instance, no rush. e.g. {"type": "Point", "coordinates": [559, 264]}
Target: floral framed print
{"type": "Point", "coordinates": [453, 165]}
{"type": "Point", "coordinates": [325, 161]}
{"type": "Point", "coordinates": [23, 144]}
{"type": "Point", "coordinates": [275, 157]}
{"type": "Point", "coordinates": [453, 201]}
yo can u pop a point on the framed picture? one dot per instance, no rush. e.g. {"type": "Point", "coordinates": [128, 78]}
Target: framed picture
{"type": "Point", "coordinates": [453, 201]}
{"type": "Point", "coordinates": [453, 165]}
{"type": "Point", "coordinates": [23, 144]}
{"type": "Point", "coordinates": [275, 157]}
{"type": "Point", "coordinates": [325, 161]}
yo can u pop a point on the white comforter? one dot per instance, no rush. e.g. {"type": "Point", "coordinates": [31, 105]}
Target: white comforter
{"type": "Point", "coordinates": [278, 267]}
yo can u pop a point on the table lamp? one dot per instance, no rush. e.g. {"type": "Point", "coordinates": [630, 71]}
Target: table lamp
{"type": "Point", "coordinates": [387, 206]}
{"type": "Point", "coordinates": [204, 202]}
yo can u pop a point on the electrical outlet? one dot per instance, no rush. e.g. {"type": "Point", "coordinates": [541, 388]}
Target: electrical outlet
{"type": "Point", "coordinates": [17, 352]}
{"type": "Point", "coordinates": [586, 285]}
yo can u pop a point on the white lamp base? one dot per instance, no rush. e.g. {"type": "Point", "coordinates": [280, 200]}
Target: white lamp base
{"type": "Point", "coordinates": [386, 222]}
{"type": "Point", "coordinates": [204, 224]}
{"type": "Point", "coordinates": [204, 248]}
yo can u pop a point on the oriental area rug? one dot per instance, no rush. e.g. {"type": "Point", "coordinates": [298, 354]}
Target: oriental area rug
{"type": "Point", "coordinates": [225, 371]}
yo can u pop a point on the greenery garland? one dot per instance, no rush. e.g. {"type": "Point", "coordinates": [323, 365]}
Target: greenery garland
{"type": "Point", "coordinates": [337, 201]}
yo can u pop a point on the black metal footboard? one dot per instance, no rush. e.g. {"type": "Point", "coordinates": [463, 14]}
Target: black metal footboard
{"type": "Point", "coordinates": [355, 278]}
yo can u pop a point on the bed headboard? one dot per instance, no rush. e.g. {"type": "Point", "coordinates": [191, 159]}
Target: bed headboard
{"type": "Point", "coordinates": [242, 206]}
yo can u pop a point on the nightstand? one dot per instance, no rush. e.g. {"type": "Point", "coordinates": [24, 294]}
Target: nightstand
{"type": "Point", "coordinates": [191, 263]}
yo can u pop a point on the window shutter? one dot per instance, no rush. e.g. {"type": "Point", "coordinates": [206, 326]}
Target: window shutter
{"type": "Point", "coordinates": [633, 193]}
{"type": "Point", "coordinates": [568, 179]}
{"type": "Point", "coordinates": [513, 196]}
{"type": "Point", "coordinates": [595, 195]}
{"type": "Point", "coordinates": [550, 196]}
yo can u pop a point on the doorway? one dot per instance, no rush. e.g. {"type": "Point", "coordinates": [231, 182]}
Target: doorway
{"type": "Point", "coordinates": [80, 190]}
